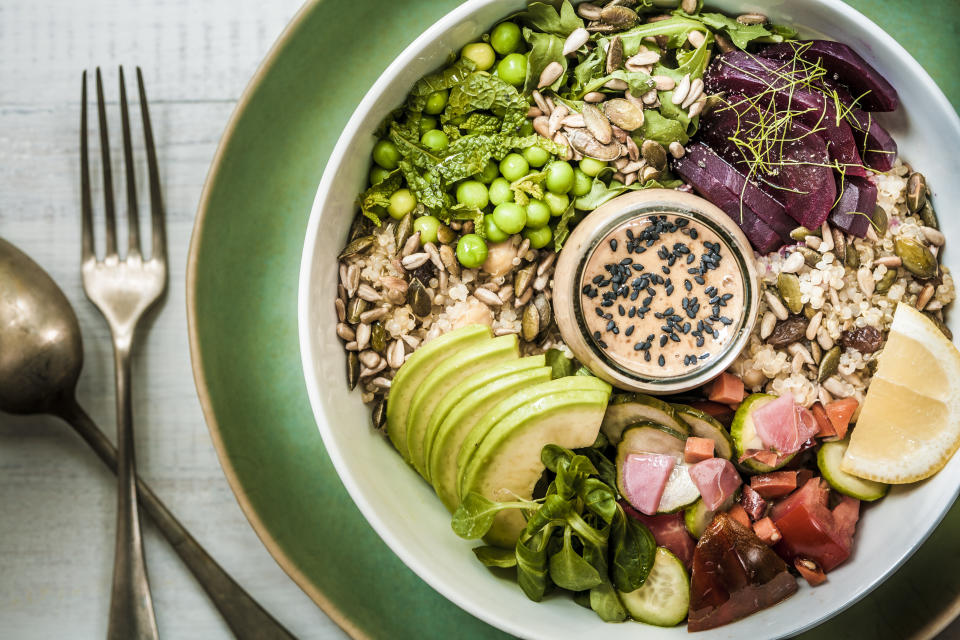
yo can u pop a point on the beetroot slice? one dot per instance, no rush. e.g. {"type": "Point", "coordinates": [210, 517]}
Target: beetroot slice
{"type": "Point", "coordinates": [803, 179]}
{"type": "Point", "coordinates": [761, 237]}
{"type": "Point", "coordinates": [765, 206]}
{"type": "Point", "coordinates": [854, 209]}
{"type": "Point", "coordinates": [771, 80]}
{"type": "Point", "coordinates": [877, 147]}
{"type": "Point", "coordinates": [846, 65]}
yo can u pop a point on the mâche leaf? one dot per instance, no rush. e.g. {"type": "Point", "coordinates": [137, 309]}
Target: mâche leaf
{"type": "Point", "coordinates": [533, 573]}
{"type": "Point", "coordinates": [632, 550]}
{"type": "Point", "coordinates": [474, 517]}
{"type": "Point", "coordinates": [569, 570]}
{"type": "Point", "coordinates": [496, 556]}
{"type": "Point", "coordinates": [599, 498]}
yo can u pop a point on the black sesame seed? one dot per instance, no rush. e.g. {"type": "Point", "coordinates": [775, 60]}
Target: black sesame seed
{"type": "Point", "coordinates": [621, 309]}
{"type": "Point", "coordinates": [638, 346]}
{"type": "Point", "coordinates": [599, 311]}
{"type": "Point", "coordinates": [632, 312]}
{"type": "Point", "coordinates": [661, 361]}
{"type": "Point", "coordinates": [602, 344]}
{"type": "Point", "coordinates": [629, 331]}
{"type": "Point", "coordinates": [613, 244]}
{"type": "Point", "coordinates": [726, 320]}
{"type": "Point", "coordinates": [615, 330]}
{"type": "Point", "coordinates": [694, 234]}
{"type": "Point", "coordinates": [675, 337]}
{"type": "Point", "coordinates": [646, 356]}
{"type": "Point", "coordinates": [663, 340]}
{"type": "Point", "coordinates": [611, 325]}
{"type": "Point", "coordinates": [699, 279]}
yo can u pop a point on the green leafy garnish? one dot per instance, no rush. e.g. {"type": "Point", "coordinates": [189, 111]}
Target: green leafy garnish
{"type": "Point", "coordinates": [562, 366]}
{"type": "Point", "coordinates": [496, 557]}
{"type": "Point", "coordinates": [378, 196]}
{"type": "Point", "coordinates": [544, 49]}
{"type": "Point", "coordinates": [545, 18]}
{"type": "Point", "coordinates": [569, 570]}
{"type": "Point", "coordinates": [743, 34]}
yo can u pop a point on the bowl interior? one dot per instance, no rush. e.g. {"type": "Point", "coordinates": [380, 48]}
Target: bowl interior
{"type": "Point", "coordinates": [404, 510]}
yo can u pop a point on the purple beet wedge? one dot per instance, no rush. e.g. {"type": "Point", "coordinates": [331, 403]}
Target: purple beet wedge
{"type": "Point", "coordinates": [795, 168]}
{"type": "Point", "coordinates": [844, 64]}
{"type": "Point", "coordinates": [877, 147]}
{"type": "Point", "coordinates": [779, 85]}
{"type": "Point", "coordinates": [855, 206]}
{"type": "Point", "coordinates": [765, 206]}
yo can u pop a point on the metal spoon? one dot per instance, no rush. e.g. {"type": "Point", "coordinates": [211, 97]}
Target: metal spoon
{"type": "Point", "coordinates": [41, 354]}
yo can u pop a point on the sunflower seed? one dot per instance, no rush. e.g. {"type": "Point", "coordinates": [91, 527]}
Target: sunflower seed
{"type": "Point", "coordinates": [541, 282]}
{"type": "Point", "coordinates": [793, 263]}
{"type": "Point", "coordinates": [434, 254]}
{"type": "Point", "coordinates": [353, 280]}
{"type": "Point", "coordinates": [664, 83]}
{"type": "Point", "coordinates": [649, 173]}
{"type": "Point", "coordinates": [826, 236]}
{"type": "Point", "coordinates": [776, 306]}
{"type": "Point", "coordinates": [411, 341]}
{"type": "Point", "coordinates": [696, 90]}
{"type": "Point", "coordinates": [505, 293]}
{"type": "Point", "coordinates": [524, 299]}
{"type": "Point", "coordinates": [617, 84]}
{"type": "Point", "coordinates": [752, 18]}
{"type": "Point", "coordinates": [814, 325]}
{"type": "Point", "coordinates": [619, 134]}
{"type": "Point", "coordinates": [633, 167]}
{"type": "Point", "coordinates": [676, 149]}
{"type": "Point", "coordinates": [355, 309]}
{"type": "Point", "coordinates": [926, 294]}
{"type": "Point", "coordinates": [680, 93]}
{"type": "Point", "coordinates": [550, 74]}
{"type": "Point", "coordinates": [351, 346]}
{"type": "Point", "coordinates": [369, 359]}
{"type": "Point", "coordinates": [933, 236]}
{"type": "Point", "coordinates": [561, 139]}
{"type": "Point", "coordinates": [395, 354]}
{"type": "Point", "coordinates": [541, 102]}
{"type": "Point", "coordinates": [619, 176]}
{"type": "Point", "coordinates": [534, 112]}
{"type": "Point", "coordinates": [890, 262]}
{"type": "Point", "coordinates": [341, 309]}
{"type": "Point", "coordinates": [368, 293]}
{"type": "Point", "coordinates": [363, 336]}
{"type": "Point", "coordinates": [505, 331]}
{"type": "Point", "coordinates": [767, 324]}
{"type": "Point", "coordinates": [394, 289]}
{"type": "Point", "coordinates": [366, 372]}
{"type": "Point", "coordinates": [614, 54]}
{"type": "Point", "coordinates": [380, 381]}
{"type": "Point", "coordinates": [574, 120]}
{"type": "Point", "coordinates": [839, 243]}
{"type": "Point", "coordinates": [541, 124]}
{"type": "Point", "coordinates": [576, 39]}
{"type": "Point", "coordinates": [415, 260]}
{"type": "Point", "coordinates": [634, 99]}
{"type": "Point", "coordinates": [594, 97]}
{"type": "Point", "coordinates": [445, 234]}
{"type": "Point", "coordinates": [411, 245]}
{"type": "Point", "coordinates": [487, 297]}
{"type": "Point", "coordinates": [373, 315]}
{"type": "Point", "coordinates": [629, 179]}
{"type": "Point", "coordinates": [696, 38]}
{"type": "Point", "coordinates": [688, 6]}
{"type": "Point", "coordinates": [697, 107]}
{"type": "Point", "coordinates": [644, 58]}
{"type": "Point", "coordinates": [588, 11]}
{"type": "Point", "coordinates": [553, 124]}
{"type": "Point", "coordinates": [546, 263]}
{"type": "Point", "coordinates": [824, 339]}
{"type": "Point", "coordinates": [346, 332]}
{"type": "Point", "coordinates": [650, 98]}
{"type": "Point", "coordinates": [815, 351]}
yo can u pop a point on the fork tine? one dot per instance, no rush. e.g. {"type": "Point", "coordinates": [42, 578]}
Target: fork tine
{"type": "Point", "coordinates": [86, 207]}
{"type": "Point", "coordinates": [158, 229]}
{"type": "Point", "coordinates": [133, 215]}
{"type": "Point", "coordinates": [111, 245]}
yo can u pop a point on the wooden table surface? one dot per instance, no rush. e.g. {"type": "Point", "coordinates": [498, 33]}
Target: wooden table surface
{"type": "Point", "coordinates": [57, 502]}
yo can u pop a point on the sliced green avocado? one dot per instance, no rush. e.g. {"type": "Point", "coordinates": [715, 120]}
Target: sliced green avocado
{"type": "Point", "coordinates": [513, 403]}
{"type": "Point", "coordinates": [446, 376]}
{"type": "Point", "coordinates": [461, 420]}
{"type": "Point", "coordinates": [628, 408]}
{"type": "Point", "coordinates": [477, 381]}
{"type": "Point", "coordinates": [507, 465]}
{"type": "Point", "coordinates": [703, 425]}
{"type": "Point", "coordinates": [417, 367]}
{"type": "Point", "coordinates": [744, 433]}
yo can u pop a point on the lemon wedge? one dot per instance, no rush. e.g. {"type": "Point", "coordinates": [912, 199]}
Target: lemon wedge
{"type": "Point", "coordinates": [909, 424]}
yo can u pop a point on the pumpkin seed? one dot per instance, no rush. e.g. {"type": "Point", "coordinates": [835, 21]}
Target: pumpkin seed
{"type": "Point", "coordinates": [852, 258]}
{"type": "Point", "coordinates": [530, 325]}
{"type": "Point", "coordinates": [402, 231]}
{"type": "Point", "coordinates": [800, 233]}
{"type": "Point", "coordinates": [355, 307]}
{"type": "Point", "coordinates": [829, 364]}
{"type": "Point", "coordinates": [588, 11]}
{"type": "Point", "coordinates": [543, 308]}
{"type": "Point", "coordinates": [589, 146]}
{"type": "Point", "coordinates": [523, 279]}
{"type": "Point", "coordinates": [359, 227]}
{"type": "Point", "coordinates": [653, 152]}
{"type": "Point", "coordinates": [614, 54]}
{"type": "Point", "coordinates": [621, 17]}
{"type": "Point", "coordinates": [809, 313]}
{"type": "Point", "coordinates": [933, 236]}
{"type": "Point", "coordinates": [419, 298]}
{"type": "Point", "coordinates": [928, 215]}
{"type": "Point", "coordinates": [597, 124]}
{"type": "Point", "coordinates": [810, 256]}
{"type": "Point", "coordinates": [944, 329]}
{"type": "Point", "coordinates": [358, 246]}
{"type": "Point", "coordinates": [379, 415]}
{"type": "Point", "coordinates": [378, 337]}
{"type": "Point", "coordinates": [880, 221]}
{"type": "Point", "coordinates": [353, 369]}
{"type": "Point", "coordinates": [886, 281]}
{"type": "Point", "coordinates": [623, 113]}
{"type": "Point", "coordinates": [917, 258]}
{"type": "Point", "coordinates": [788, 284]}
{"type": "Point", "coordinates": [916, 192]}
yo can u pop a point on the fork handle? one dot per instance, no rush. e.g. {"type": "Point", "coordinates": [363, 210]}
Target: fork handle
{"type": "Point", "coordinates": [244, 615]}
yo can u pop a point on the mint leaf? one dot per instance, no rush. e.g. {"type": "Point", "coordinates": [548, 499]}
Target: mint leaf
{"type": "Point", "coordinates": [562, 231]}
{"type": "Point", "coordinates": [379, 196]}
{"type": "Point", "coordinates": [446, 78]}
{"type": "Point", "coordinates": [528, 187]}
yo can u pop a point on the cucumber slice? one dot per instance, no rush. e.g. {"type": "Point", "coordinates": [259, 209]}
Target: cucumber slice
{"type": "Point", "coordinates": [744, 433]}
{"type": "Point", "coordinates": [650, 437]}
{"type": "Point", "coordinates": [629, 408]}
{"type": "Point", "coordinates": [664, 599]}
{"type": "Point", "coordinates": [828, 459]}
{"type": "Point", "coordinates": [703, 425]}
{"type": "Point", "coordinates": [698, 517]}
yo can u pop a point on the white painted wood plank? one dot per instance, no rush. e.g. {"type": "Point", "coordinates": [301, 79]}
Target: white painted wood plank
{"type": "Point", "coordinates": [57, 503]}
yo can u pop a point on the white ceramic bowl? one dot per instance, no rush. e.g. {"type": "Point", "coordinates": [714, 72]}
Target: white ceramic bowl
{"type": "Point", "coordinates": [403, 509]}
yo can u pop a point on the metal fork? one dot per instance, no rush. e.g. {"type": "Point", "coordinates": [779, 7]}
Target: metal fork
{"type": "Point", "coordinates": [123, 289]}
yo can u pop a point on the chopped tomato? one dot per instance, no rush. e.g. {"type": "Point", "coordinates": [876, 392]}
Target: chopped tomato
{"type": "Point", "coordinates": [726, 389]}
{"type": "Point", "coordinates": [774, 484]}
{"type": "Point", "coordinates": [840, 412]}
{"type": "Point", "coordinates": [825, 427]}
{"type": "Point", "coordinates": [813, 574]}
{"type": "Point", "coordinates": [811, 530]}
{"type": "Point", "coordinates": [697, 449]}
{"type": "Point", "coordinates": [767, 531]}
{"type": "Point", "coordinates": [739, 514]}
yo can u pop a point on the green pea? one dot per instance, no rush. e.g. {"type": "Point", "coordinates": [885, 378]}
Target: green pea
{"type": "Point", "coordinates": [538, 214]}
{"type": "Point", "coordinates": [510, 217]}
{"type": "Point", "coordinates": [481, 53]}
{"type": "Point", "coordinates": [427, 123]}
{"type": "Point", "coordinates": [505, 38]}
{"type": "Point", "coordinates": [513, 69]}
{"type": "Point", "coordinates": [436, 102]}
{"type": "Point", "coordinates": [582, 183]}
{"type": "Point", "coordinates": [490, 173]}
{"type": "Point", "coordinates": [494, 233]}
{"type": "Point", "coordinates": [558, 202]}
{"type": "Point", "coordinates": [559, 177]}
{"type": "Point", "coordinates": [472, 250]}
{"type": "Point", "coordinates": [500, 191]}
{"type": "Point", "coordinates": [386, 154]}
{"type": "Point", "coordinates": [427, 226]}
{"type": "Point", "coordinates": [402, 202]}
{"type": "Point", "coordinates": [472, 194]}
{"type": "Point", "coordinates": [592, 167]}
{"type": "Point", "coordinates": [535, 156]}
{"type": "Point", "coordinates": [435, 140]}
{"type": "Point", "coordinates": [513, 167]}
{"type": "Point", "coordinates": [378, 174]}
{"type": "Point", "coordinates": [539, 238]}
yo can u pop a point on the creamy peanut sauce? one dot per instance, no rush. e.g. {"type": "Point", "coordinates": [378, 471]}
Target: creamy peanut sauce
{"type": "Point", "coordinates": [661, 295]}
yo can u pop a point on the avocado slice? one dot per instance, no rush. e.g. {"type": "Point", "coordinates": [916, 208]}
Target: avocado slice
{"type": "Point", "coordinates": [629, 408]}
{"type": "Point", "coordinates": [513, 403]}
{"type": "Point", "coordinates": [417, 367]}
{"type": "Point", "coordinates": [461, 420]}
{"type": "Point", "coordinates": [453, 397]}
{"type": "Point", "coordinates": [507, 464]}
{"type": "Point", "coordinates": [446, 376]}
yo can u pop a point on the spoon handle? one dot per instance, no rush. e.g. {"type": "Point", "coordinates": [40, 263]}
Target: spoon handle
{"type": "Point", "coordinates": [244, 615]}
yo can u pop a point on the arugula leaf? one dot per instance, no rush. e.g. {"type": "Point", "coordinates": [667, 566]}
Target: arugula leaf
{"type": "Point", "coordinates": [544, 49]}
{"type": "Point", "coordinates": [562, 365]}
{"type": "Point", "coordinates": [475, 515]}
{"type": "Point", "coordinates": [638, 81]}
{"type": "Point", "coordinates": [590, 67]}
{"type": "Point", "coordinates": [533, 573]}
{"type": "Point", "coordinates": [496, 557]}
{"type": "Point", "coordinates": [632, 548]}
{"type": "Point", "coordinates": [569, 570]}
{"type": "Point", "coordinates": [545, 18]}
{"type": "Point", "coordinates": [742, 34]}
{"type": "Point", "coordinates": [676, 29]}
{"type": "Point", "coordinates": [662, 129]}
{"type": "Point", "coordinates": [379, 196]}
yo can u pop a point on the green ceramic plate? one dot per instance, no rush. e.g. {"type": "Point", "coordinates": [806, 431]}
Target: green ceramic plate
{"type": "Point", "coordinates": [242, 286]}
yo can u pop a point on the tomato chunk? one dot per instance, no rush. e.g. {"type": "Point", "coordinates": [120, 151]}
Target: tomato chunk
{"type": "Point", "coordinates": [813, 574]}
{"type": "Point", "coordinates": [810, 530]}
{"type": "Point", "coordinates": [840, 412]}
{"type": "Point", "coordinates": [739, 514]}
{"type": "Point", "coordinates": [697, 449]}
{"type": "Point", "coordinates": [774, 484]}
{"type": "Point", "coordinates": [767, 531]}
{"type": "Point", "coordinates": [726, 389]}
